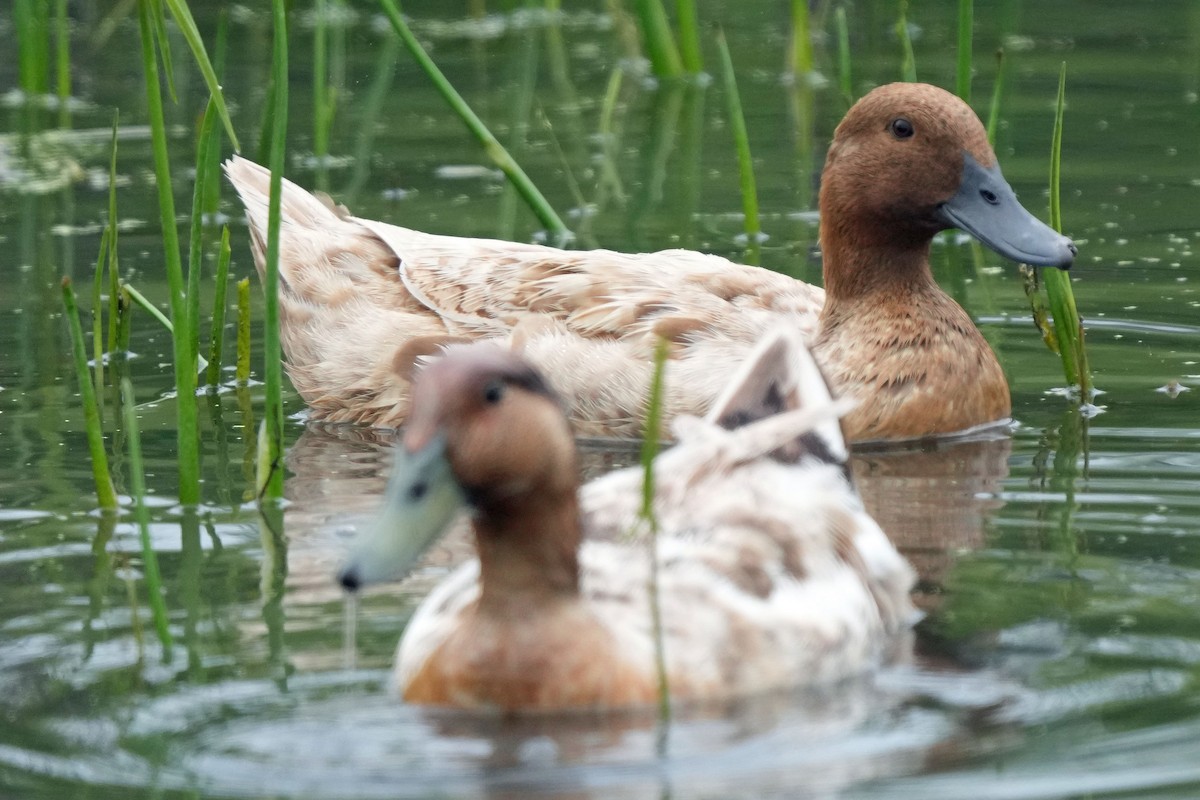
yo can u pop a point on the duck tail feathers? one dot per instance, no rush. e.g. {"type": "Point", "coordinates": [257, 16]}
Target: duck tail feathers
{"type": "Point", "coordinates": [778, 376]}
{"type": "Point", "coordinates": [297, 207]}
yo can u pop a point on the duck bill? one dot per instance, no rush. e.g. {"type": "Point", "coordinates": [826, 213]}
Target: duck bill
{"type": "Point", "coordinates": [421, 500]}
{"type": "Point", "coordinates": [986, 207]}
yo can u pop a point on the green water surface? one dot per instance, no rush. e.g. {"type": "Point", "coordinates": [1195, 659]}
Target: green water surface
{"type": "Point", "coordinates": [1060, 561]}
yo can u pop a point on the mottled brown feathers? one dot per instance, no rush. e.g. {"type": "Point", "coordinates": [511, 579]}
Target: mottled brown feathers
{"type": "Point", "coordinates": [355, 291]}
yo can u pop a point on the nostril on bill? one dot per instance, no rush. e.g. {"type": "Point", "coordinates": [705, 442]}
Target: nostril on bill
{"type": "Point", "coordinates": [989, 196]}
{"type": "Point", "coordinates": [349, 579]}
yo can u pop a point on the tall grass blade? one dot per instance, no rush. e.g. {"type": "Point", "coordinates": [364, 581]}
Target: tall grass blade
{"type": "Point", "coordinates": [741, 140]}
{"type": "Point", "coordinates": [656, 35]}
{"type": "Point", "coordinates": [137, 482]}
{"type": "Point", "coordinates": [908, 63]}
{"type": "Point", "coordinates": [500, 156]}
{"type": "Point", "coordinates": [1067, 324]}
{"type": "Point", "coordinates": [845, 78]}
{"type": "Point", "coordinates": [271, 487]}
{"type": "Point", "coordinates": [689, 36]}
{"type": "Point", "coordinates": [216, 338]}
{"type": "Point", "coordinates": [802, 49]}
{"type": "Point", "coordinates": [650, 443]}
{"type": "Point", "coordinates": [187, 412]}
{"type": "Point", "coordinates": [62, 45]}
{"type": "Point", "coordinates": [966, 29]}
{"type": "Point", "coordinates": [106, 495]}
{"type": "Point", "coordinates": [993, 119]}
{"type": "Point", "coordinates": [243, 332]}
{"type": "Point", "coordinates": [187, 26]}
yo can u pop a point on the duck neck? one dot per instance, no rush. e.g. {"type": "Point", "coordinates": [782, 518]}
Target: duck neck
{"type": "Point", "coordinates": [528, 548]}
{"type": "Point", "coordinates": [862, 271]}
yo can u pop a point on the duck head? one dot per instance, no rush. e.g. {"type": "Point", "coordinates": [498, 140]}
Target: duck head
{"type": "Point", "coordinates": [910, 160]}
{"type": "Point", "coordinates": [486, 433]}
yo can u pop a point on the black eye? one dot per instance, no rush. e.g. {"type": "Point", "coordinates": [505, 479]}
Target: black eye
{"type": "Point", "coordinates": [417, 491]}
{"type": "Point", "coordinates": [901, 128]}
{"type": "Point", "coordinates": [494, 393]}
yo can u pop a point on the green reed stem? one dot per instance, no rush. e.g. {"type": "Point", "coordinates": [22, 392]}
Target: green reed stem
{"type": "Point", "coordinates": [997, 92]}
{"type": "Point", "coordinates": [29, 19]}
{"type": "Point", "coordinates": [163, 40]}
{"type": "Point", "coordinates": [908, 63]}
{"type": "Point", "coordinates": [243, 332]}
{"type": "Point", "coordinates": [966, 29]}
{"type": "Point", "coordinates": [1067, 324]}
{"type": "Point", "coordinates": [656, 35]}
{"type": "Point", "coordinates": [651, 437]}
{"type": "Point", "coordinates": [205, 147]}
{"type": "Point", "coordinates": [114, 271]}
{"type": "Point", "coordinates": [273, 367]}
{"type": "Point", "coordinates": [187, 26]}
{"type": "Point", "coordinates": [106, 495]}
{"type": "Point", "coordinates": [62, 44]}
{"type": "Point", "coordinates": [141, 300]}
{"type": "Point", "coordinates": [216, 336]}
{"type": "Point", "coordinates": [741, 141]}
{"type": "Point", "coordinates": [322, 100]}
{"type": "Point", "coordinates": [98, 314]}
{"type": "Point", "coordinates": [802, 49]}
{"type": "Point", "coordinates": [496, 151]}
{"type": "Point", "coordinates": [187, 412]}
{"type": "Point", "coordinates": [689, 36]}
{"type": "Point", "coordinates": [137, 482]}
{"type": "Point", "coordinates": [845, 79]}
{"type": "Point", "coordinates": [124, 320]}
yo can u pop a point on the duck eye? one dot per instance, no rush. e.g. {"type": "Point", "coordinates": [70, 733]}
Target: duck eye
{"type": "Point", "coordinates": [901, 128]}
{"type": "Point", "coordinates": [494, 393]}
{"type": "Point", "coordinates": [417, 491]}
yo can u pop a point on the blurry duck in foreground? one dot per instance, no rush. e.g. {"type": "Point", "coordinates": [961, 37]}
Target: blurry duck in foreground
{"type": "Point", "coordinates": [770, 572]}
{"type": "Point", "coordinates": [360, 299]}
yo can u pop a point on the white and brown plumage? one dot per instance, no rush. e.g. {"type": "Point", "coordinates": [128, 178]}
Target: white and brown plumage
{"type": "Point", "coordinates": [361, 299]}
{"type": "Point", "coordinates": [770, 572]}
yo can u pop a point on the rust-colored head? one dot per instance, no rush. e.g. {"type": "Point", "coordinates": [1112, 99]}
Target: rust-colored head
{"type": "Point", "coordinates": [910, 160]}
{"type": "Point", "coordinates": [895, 158]}
{"type": "Point", "coordinates": [504, 429]}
